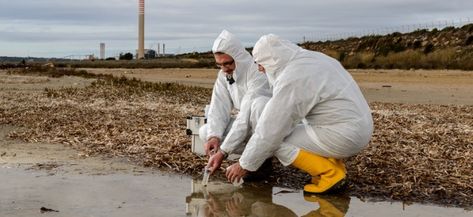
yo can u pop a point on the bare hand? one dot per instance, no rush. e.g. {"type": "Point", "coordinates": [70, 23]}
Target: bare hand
{"type": "Point", "coordinates": [211, 146]}
{"type": "Point", "coordinates": [215, 161]}
{"type": "Point", "coordinates": [235, 172]}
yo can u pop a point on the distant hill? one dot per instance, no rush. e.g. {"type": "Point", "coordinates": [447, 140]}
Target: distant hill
{"type": "Point", "coordinates": [5, 59]}
{"type": "Point", "coordinates": [449, 48]}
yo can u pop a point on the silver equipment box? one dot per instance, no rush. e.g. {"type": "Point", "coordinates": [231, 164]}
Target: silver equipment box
{"type": "Point", "coordinates": [193, 125]}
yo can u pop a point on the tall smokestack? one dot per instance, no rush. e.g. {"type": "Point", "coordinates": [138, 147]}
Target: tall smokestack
{"type": "Point", "coordinates": [141, 30]}
{"type": "Point", "coordinates": [102, 51]}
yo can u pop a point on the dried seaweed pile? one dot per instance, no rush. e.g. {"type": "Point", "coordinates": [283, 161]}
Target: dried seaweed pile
{"type": "Point", "coordinates": [417, 153]}
{"type": "Point", "coordinates": [120, 117]}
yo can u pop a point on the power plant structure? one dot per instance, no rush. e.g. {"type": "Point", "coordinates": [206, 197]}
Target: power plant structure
{"type": "Point", "coordinates": [141, 30]}
{"type": "Point", "coordinates": [102, 51]}
{"type": "Point", "coordinates": [161, 52]}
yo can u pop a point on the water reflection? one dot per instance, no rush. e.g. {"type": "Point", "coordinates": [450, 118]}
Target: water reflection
{"type": "Point", "coordinates": [222, 199]}
{"type": "Point", "coordinates": [329, 205]}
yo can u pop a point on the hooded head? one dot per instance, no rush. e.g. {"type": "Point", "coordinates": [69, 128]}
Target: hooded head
{"type": "Point", "coordinates": [228, 43]}
{"type": "Point", "coordinates": [274, 53]}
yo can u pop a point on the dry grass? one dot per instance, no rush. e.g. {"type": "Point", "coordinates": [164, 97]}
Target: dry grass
{"type": "Point", "coordinates": [416, 59]}
{"type": "Point", "coordinates": [448, 58]}
{"type": "Point", "coordinates": [418, 153]}
{"type": "Point", "coordinates": [149, 63]}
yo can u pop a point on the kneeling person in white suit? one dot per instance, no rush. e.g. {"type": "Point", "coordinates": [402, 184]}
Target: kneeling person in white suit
{"type": "Point", "coordinates": [316, 108]}
{"type": "Point", "coordinates": [239, 86]}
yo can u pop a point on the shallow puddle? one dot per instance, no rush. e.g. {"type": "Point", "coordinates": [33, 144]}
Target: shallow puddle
{"type": "Point", "coordinates": [33, 193]}
{"type": "Point", "coordinates": [222, 199]}
{"type": "Point", "coordinates": [24, 192]}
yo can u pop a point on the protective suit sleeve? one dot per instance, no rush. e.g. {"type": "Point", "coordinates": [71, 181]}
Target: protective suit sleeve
{"type": "Point", "coordinates": [219, 109]}
{"type": "Point", "coordinates": [257, 86]}
{"type": "Point", "coordinates": [288, 106]}
{"type": "Point", "coordinates": [240, 127]}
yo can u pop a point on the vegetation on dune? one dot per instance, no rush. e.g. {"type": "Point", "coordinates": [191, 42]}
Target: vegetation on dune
{"type": "Point", "coordinates": [449, 48]}
{"type": "Point", "coordinates": [51, 71]}
{"type": "Point", "coordinates": [171, 62]}
{"type": "Point", "coordinates": [168, 62]}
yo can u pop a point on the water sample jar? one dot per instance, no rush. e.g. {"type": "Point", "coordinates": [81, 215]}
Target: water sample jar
{"type": "Point", "coordinates": [205, 178]}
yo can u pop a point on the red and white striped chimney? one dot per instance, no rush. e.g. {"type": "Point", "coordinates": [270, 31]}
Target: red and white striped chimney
{"type": "Point", "coordinates": [141, 30]}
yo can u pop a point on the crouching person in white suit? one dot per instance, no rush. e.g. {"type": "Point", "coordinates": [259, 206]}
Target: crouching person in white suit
{"type": "Point", "coordinates": [316, 117]}
{"type": "Point", "coordinates": [239, 86]}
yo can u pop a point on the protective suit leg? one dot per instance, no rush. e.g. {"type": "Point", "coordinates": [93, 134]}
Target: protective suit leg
{"type": "Point", "coordinates": [203, 132]}
{"type": "Point", "coordinates": [326, 172]}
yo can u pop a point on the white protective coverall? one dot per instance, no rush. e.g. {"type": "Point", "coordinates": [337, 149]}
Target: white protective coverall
{"type": "Point", "coordinates": [242, 95]}
{"type": "Point", "coordinates": [316, 106]}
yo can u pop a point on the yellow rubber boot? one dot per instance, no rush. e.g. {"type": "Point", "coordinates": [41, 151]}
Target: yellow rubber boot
{"type": "Point", "coordinates": [339, 163]}
{"type": "Point", "coordinates": [325, 172]}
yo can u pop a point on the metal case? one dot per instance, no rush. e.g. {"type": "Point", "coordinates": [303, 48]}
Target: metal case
{"type": "Point", "coordinates": [193, 125]}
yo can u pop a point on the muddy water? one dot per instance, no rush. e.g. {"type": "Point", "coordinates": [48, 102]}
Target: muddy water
{"type": "Point", "coordinates": [24, 191]}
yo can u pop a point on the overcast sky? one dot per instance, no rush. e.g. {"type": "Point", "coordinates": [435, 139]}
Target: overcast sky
{"type": "Point", "coordinates": [59, 28]}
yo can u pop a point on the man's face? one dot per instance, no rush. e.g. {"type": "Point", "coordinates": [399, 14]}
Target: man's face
{"type": "Point", "coordinates": [225, 62]}
{"type": "Point", "coordinates": [261, 69]}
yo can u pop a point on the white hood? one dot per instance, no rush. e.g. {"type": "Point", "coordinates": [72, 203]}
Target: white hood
{"type": "Point", "coordinates": [273, 53]}
{"type": "Point", "coordinates": [229, 44]}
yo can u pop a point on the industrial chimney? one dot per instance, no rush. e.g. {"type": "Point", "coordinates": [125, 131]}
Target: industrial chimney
{"type": "Point", "coordinates": [102, 51]}
{"type": "Point", "coordinates": [141, 30]}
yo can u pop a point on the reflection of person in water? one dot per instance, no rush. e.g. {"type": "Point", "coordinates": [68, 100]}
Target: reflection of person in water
{"type": "Point", "coordinates": [250, 201]}
{"type": "Point", "coordinates": [257, 201]}
{"type": "Point", "coordinates": [329, 205]}
{"type": "Point", "coordinates": [236, 205]}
